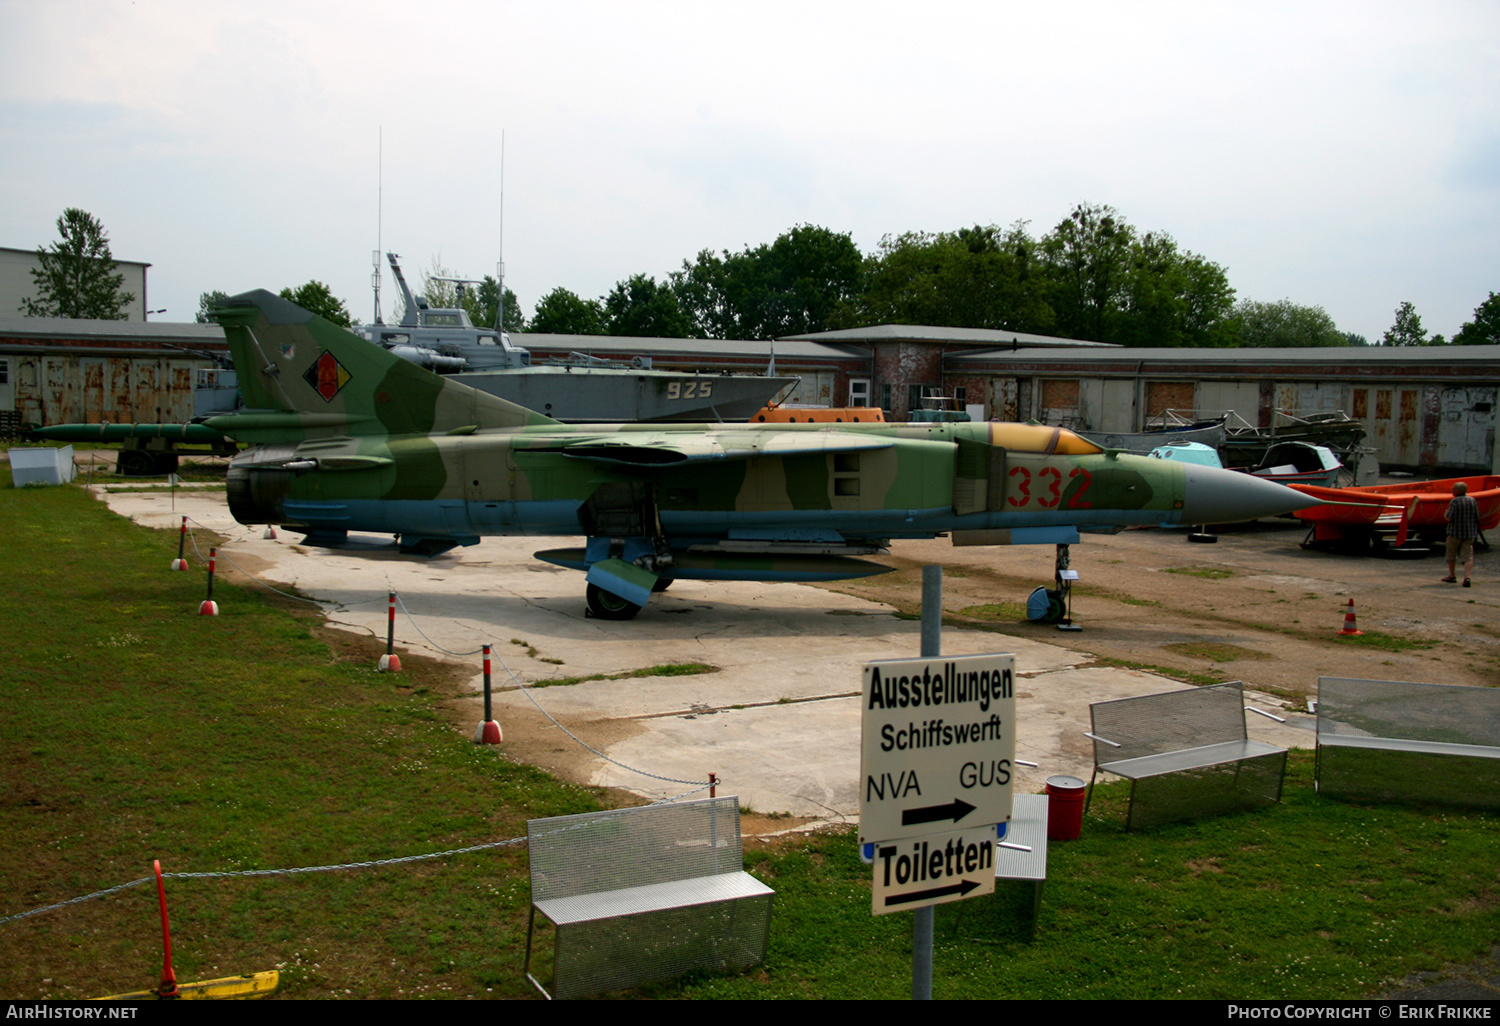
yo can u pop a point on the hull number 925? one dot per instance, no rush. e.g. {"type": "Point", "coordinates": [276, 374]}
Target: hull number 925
{"type": "Point", "coordinates": [691, 390]}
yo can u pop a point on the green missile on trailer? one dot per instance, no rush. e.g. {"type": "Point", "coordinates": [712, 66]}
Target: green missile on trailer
{"type": "Point", "coordinates": [192, 434]}
{"type": "Point", "coordinates": [348, 437]}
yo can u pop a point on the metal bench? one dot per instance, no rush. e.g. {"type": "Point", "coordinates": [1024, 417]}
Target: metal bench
{"type": "Point", "coordinates": [1185, 753]}
{"type": "Point", "coordinates": [645, 894]}
{"type": "Point", "coordinates": [1022, 855]}
{"type": "Point", "coordinates": [1400, 741]}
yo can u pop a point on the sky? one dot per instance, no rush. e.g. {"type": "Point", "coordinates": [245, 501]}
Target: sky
{"type": "Point", "coordinates": [1342, 155]}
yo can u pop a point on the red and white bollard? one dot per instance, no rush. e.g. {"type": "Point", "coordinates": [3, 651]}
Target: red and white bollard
{"type": "Point", "coordinates": [1350, 626]}
{"type": "Point", "coordinates": [180, 563]}
{"type": "Point", "coordinates": [488, 732]}
{"type": "Point", "coordinates": [390, 661]}
{"type": "Point", "coordinates": [209, 606]}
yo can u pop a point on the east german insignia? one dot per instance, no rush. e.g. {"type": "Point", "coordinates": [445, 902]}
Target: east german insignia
{"type": "Point", "coordinates": [326, 376]}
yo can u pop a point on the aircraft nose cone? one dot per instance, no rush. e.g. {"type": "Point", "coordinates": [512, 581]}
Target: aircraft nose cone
{"type": "Point", "coordinates": [1214, 496]}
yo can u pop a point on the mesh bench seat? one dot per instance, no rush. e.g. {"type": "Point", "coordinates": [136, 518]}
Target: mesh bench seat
{"type": "Point", "coordinates": [1023, 853]}
{"type": "Point", "coordinates": [634, 901]}
{"type": "Point", "coordinates": [1186, 754]}
{"type": "Point", "coordinates": [1401, 744]}
{"type": "Point", "coordinates": [1404, 741]}
{"type": "Point", "coordinates": [646, 894]}
{"type": "Point", "coordinates": [1188, 759]}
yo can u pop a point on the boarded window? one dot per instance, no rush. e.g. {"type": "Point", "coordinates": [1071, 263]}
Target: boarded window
{"type": "Point", "coordinates": [1361, 404]}
{"type": "Point", "coordinates": [1162, 396]}
{"type": "Point", "coordinates": [1383, 404]}
{"type": "Point", "coordinates": [1060, 395]}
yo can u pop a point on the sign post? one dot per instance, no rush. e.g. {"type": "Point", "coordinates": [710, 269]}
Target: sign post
{"type": "Point", "coordinates": [934, 869]}
{"type": "Point", "coordinates": [925, 849]}
{"type": "Point", "coordinates": [936, 771]}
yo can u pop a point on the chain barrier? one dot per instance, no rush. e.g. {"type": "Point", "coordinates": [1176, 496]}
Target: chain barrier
{"type": "Point", "coordinates": [222, 874]}
{"type": "Point", "coordinates": [698, 785]}
{"type": "Point", "coordinates": [225, 557]}
{"type": "Point", "coordinates": [370, 864]}
{"type": "Point", "coordinates": [508, 842]}
{"type": "Point", "coordinates": [74, 901]}
{"type": "Point", "coordinates": [413, 621]}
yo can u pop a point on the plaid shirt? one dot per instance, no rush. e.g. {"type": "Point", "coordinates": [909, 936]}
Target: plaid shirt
{"type": "Point", "coordinates": [1463, 518]}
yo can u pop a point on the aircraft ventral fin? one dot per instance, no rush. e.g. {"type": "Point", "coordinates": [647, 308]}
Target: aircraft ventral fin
{"type": "Point", "coordinates": [676, 449]}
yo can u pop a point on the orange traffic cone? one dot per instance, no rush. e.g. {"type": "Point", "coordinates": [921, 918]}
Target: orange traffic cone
{"type": "Point", "coordinates": [1350, 626]}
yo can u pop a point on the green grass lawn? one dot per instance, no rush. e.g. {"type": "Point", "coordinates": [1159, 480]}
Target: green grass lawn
{"type": "Point", "coordinates": [135, 729]}
{"type": "Point", "coordinates": [1307, 899]}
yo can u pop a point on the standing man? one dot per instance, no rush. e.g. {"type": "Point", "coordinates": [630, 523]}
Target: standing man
{"type": "Point", "coordinates": [1463, 527]}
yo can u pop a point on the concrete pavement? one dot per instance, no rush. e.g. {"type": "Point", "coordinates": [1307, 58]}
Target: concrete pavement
{"type": "Point", "coordinates": [778, 723]}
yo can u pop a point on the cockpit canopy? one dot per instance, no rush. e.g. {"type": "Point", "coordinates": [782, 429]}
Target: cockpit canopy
{"type": "Point", "coordinates": [1042, 438]}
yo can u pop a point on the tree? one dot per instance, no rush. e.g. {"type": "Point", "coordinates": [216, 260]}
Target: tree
{"type": "Point", "coordinates": [1484, 329]}
{"type": "Point", "coordinates": [1108, 282]}
{"type": "Point", "coordinates": [207, 301]}
{"type": "Point", "coordinates": [790, 287]}
{"type": "Point", "coordinates": [562, 312]}
{"type": "Point", "coordinates": [640, 306]}
{"type": "Point", "coordinates": [1088, 258]}
{"type": "Point", "coordinates": [318, 298]}
{"type": "Point", "coordinates": [77, 277]}
{"type": "Point", "coordinates": [1285, 325]}
{"type": "Point", "coordinates": [980, 277]}
{"type": "Point", "coordinates": [1407, 331]}
{"type": "Point", "coordinates": [1171, 298]}
{"type": "Point", "coordinates": [444, 290]}
{"type": "Point", "coordinates": [440, 287]}
{"type": "Point", "coordinates": [480, 304]}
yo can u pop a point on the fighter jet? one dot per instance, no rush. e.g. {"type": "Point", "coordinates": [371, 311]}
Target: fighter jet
{"type": "Point", "coordinates": [348, 437]}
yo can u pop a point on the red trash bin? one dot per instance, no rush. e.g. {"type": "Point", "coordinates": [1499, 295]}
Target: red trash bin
{"type": "Point", "coordinates": [1065, 807]}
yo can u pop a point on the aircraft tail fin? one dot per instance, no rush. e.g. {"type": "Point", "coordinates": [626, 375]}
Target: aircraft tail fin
{"type": "Point", "coordinates": [303, 375]}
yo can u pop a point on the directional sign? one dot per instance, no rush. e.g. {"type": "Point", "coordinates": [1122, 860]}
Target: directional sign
{"type": "Point", "coordinates": [933, 869]}
{"type": "Point", "coordinates": [939, 745]}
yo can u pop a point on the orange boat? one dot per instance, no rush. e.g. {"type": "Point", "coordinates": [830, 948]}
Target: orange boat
{"type": "Point", "coordinates": [1377, 512]}
{"type": "Point", "coordinates": [819, 415]}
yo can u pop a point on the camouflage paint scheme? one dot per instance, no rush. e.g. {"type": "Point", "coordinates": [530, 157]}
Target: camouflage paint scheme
{"type": "Point", "coordinates": [351, 438]}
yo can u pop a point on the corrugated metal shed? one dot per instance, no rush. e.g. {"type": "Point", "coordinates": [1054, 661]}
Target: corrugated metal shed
{"type": "Point", "coordinates": [56, 370]}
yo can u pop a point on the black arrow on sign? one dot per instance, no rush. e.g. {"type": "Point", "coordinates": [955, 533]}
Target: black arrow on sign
{"type": "Point", "coordinates": [955, 810]}
{"type": "Point", "coordinates": [962, 887]}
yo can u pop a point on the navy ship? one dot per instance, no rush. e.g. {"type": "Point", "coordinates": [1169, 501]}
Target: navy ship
{"type": "Point", "coordinates": [579, 389]}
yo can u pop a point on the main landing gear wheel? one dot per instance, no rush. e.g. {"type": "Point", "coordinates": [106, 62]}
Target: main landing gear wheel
{"type": "Point", "coordinates": [1045, 605]}
{"type": "Point", "coordinates": [606, 606]}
